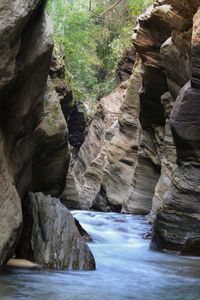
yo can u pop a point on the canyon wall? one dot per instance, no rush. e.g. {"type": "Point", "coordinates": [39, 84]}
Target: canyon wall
{"type": "Point", "coordinates": [34, 153]}
{"type": "Point", "coordinates": [152, 158]}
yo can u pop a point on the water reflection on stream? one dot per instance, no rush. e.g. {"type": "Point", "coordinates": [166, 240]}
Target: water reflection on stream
{"type": "Point", "coordinates": [126, 268]}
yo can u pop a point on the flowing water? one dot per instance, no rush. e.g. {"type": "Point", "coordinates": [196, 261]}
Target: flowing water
{"type": "Point", "coordinates": [126, 268]}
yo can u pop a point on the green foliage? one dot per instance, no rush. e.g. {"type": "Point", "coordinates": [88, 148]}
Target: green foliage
{"type": "Point", "coordinates": [91, 44]}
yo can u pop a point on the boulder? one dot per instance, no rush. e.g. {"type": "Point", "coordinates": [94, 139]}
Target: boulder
{"type": "Point", "coordinates": [50, 236]}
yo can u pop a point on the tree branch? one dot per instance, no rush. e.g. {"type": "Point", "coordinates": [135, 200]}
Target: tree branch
{"type": "Point", "coordinates": [110, 8]}
{"type": "Point", "coordinates": [105, 11]}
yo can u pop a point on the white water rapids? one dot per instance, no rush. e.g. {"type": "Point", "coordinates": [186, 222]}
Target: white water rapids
{"type": "Point", "coordinates": [126, 268]}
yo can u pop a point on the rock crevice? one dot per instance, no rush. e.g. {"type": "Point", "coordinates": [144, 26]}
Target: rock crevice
{"type": "Point", "coordinates": [152, 159]}
{"type": "Point", "coordinates": [34, 154]}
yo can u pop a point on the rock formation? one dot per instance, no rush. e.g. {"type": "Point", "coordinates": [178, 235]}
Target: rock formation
{"type": "Point", "coordinates": [77, 125]}
{"type": "Point", "coordinates": [177, 223]}
{"type": "Point", "coordinates": [125, 64]}
{"type": "Point", "coordinates": [61, 81]}
{"type": "Point", "coordinates": [25, 52]}
{"type": "Point", "coordinates": [50, 236]}
{"type": "Point", "coordinates": [169, 60]}
{"type": "Point", "coordinates": [34, 153]}
{"type": "Point", "coordinates": [93, 153]}
{"type": "Point", "coordinates": [122, 152]}
{"type": "Point", "coordinates": [142, 151]}
{"type": "Point", "coordinates": [152, 158]}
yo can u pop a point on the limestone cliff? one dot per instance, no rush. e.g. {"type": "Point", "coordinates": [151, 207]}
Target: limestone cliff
{"type": "Point", "coordinates": [34, 152]}
{"type": "Point", "coordinates": [152, 159]}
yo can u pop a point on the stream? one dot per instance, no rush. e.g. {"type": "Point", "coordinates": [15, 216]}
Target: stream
{"type": "Point", "coordinates": [126, 268]}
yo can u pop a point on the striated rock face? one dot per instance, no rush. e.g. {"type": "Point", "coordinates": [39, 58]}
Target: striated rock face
{"type": "Point", "coordinates": [122, 152]}
{"type": "Point", "coordinates": [167, 40]}
{"type": "Point", "coordinates": [45, 216]}
{"type": "Point", "coordinates": [25, 52]}
{"type": "Point", "coordinates": [73, 195]}
{"type": "Point", "coordinates": [145, 177]}
{"type": "Point", "coordinates": [105, 166]}
{"type": "Point", "coordinates": [177, 223]}
{"type": "Point", "coordinates": [152, 158]}
{"type": "Point", "coordinates": [34, 152]}
{"type": "Point", "coordinates": [93, 153]}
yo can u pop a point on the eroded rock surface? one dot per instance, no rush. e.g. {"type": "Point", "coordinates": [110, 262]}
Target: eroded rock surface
{"type": "Point", "coordinates": [50, 236]}
{"type": "Point", "coordinates": [93, 153]}
{"type": "Point", "coordinates": [25, 52]}
{"type": "Point", "coordinates": [177, 223]}
{"type": "Point", "coordinates": [152, 159]}
{"type": "Point", "coordinates": [34, 152]}
{"type": "Point", "coordinates": [122, 152]}
{"type": "Point", "coordinates": [61, 81]}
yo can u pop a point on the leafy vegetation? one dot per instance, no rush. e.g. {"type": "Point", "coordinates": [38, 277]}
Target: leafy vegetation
{"type": "Point", "coordinates": [92, 45]}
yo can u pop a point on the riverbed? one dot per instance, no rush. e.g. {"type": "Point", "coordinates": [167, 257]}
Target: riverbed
{"type": "Point", "coordinates": [126, 268]}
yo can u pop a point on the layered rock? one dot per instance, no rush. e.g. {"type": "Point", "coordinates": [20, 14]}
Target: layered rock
{"type": "Point", "coordinates": [145, 177]}
{"type": "Point", "coordinates": [34, 152]}
{"type": "Point", "coordinates": [25, 51]}
{"type": "Point", "coordinates": [73, 195]}
{"type": "Point", "coordinates": [122, 152]}
{"type": "Point", "coordinates": [152, 160]}
{"type": "Point", "coordinates": [93, 153]}
{"type": "Point", "coordinates": [163, 40]}
{"type": "Point", "coordinates": [177, 223]}
{"type": "Point", "coordinates": [45, 216]}
{"type": "Point", "coordinates": [105, 166]}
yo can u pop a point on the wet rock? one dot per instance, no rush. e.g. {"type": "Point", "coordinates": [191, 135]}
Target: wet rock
{"type": "Point", "coordinates": [176, 232]}
{"type": "Point", "coordinates": [22, 263]}
{"type": "Point", "coordinates": [167, 154]}
{"type": "Point", "coordinates": [50, 236]}
{"type": "Point", "coordinates": [82, 231]}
